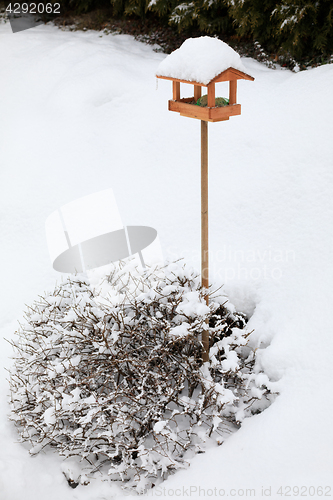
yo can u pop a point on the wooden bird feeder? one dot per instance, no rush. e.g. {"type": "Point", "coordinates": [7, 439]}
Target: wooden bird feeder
{"type": "Point", "coordinates": [204, 57]}
{"type": "Point", "coordinates": [210, 113]}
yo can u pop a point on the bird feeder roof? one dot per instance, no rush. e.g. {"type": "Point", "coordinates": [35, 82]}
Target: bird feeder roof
{"type": "Point", "coordinates": [201, 61]}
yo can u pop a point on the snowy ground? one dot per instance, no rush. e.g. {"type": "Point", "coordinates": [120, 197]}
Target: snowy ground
{"type": "Point", "coordinates": [80, 113]}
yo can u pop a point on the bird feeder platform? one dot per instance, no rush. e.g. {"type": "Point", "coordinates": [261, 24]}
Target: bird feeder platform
{"type": "Point", "coordinates": [211, 113]}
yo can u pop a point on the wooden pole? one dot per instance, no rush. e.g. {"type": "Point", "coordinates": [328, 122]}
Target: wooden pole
{"type": "Point", "coordinates": [204, 226]}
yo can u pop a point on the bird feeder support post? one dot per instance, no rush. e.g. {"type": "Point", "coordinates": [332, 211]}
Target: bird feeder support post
{"type": "Point", "coordinates": [188, 107]}
{"type": "Point", "coordinates": [204, 227]}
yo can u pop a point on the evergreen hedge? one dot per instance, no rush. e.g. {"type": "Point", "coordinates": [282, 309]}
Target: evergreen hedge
{"type": "Point", "coordinates": [300, 29]}
{"type": "Point", "coordinates": [211, 17]}
{"type": "Point", "coordinates": [306, 28]}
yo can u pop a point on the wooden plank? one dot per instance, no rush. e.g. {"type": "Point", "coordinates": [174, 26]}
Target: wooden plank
{"type": "Point", "coordinates": [212, 120]}
{"type": "Point", "coordinates": [197, 92]}
{"type": "Point", "coordinates": [228, 74]}
{"type": "Point", "coordinates": [211, 95]}
{"type": "Point", "coordinates": [203, 113]}
{"type": "Point", "coordinates": [189, 100]}
{"type": "Point", "coordinates": [190, 110]}
{"type": "Point", "coordinates": [181, 81]}
{"type": "Point", "coordinates": [232, 92]}
{"type": "Point", "coordinates": [223, 77]}
{"type": "Point", "coordinates": [175, 91]}
{"type": "Point", "coordinates": [231, 74]}
{"type": "Point", "coordinates": [204, 228]}
{"type": "Point", "coordinates": [225, 112]}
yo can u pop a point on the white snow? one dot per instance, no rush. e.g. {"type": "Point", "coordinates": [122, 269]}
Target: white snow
{"type": "Point", "coordinates": [159, 426]}
{"type": "Point", "coordinates": [49, 416]}
{"type": "Point", "coordinates": [200, 60]}
{"type": "Point", "coordinates": [79, 113]}
{"type": "Point", "coordinates": [180, 330]}
{"type": "Point", "coordinates": [191, 305]}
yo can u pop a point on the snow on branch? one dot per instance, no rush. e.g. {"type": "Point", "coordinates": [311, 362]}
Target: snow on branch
{"type": "Point", "coordinates": [114, 376]}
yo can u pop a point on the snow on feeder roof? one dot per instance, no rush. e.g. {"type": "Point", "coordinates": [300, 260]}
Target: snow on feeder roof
{"type": "Point", "coordinates": [200, 60]}
{"type": "Point", "coordinates": [203, 62]}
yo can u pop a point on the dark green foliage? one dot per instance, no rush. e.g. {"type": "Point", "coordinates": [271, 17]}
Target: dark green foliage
{"type": "Point", "coordinates": [208, 16]}
{"type": "Point", "coordinates": [253, 18]}
{"type": "Point", "coordinates": [82, 6]}
{"type": "Point", "coordinates": [137, 8]}
{"type": "Point", "coordinates": [306, 27]}
{"type": "Point", "coordinates": [287, 30]}
{"type": "Point", "coordinates": [302, 28]}
{"type": "Point", "coordinates": [163, 7]}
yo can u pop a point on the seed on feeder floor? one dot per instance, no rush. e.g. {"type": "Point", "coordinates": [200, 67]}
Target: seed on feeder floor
{"type": "Point", "coordinates": [219, 101]}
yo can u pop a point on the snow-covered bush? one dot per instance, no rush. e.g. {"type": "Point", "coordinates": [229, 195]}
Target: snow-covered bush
{"type": "Point", "coordinates": [114, 376]}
